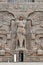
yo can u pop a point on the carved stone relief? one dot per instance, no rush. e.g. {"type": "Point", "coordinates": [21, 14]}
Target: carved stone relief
{"type": "Point", "coordinates": [36, 29]}
{"type": "Point", "coordinates": [21, 31]}
{"type": "Point", "coordinates": [5, 29]}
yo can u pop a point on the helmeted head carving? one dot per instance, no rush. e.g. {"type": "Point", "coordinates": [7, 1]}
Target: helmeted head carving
{"type": "Point", "coordinates": [21, 18]}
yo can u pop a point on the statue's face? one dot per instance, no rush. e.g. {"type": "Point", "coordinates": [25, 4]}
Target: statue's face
{"type": "Point", "coordinates": [21, 18]}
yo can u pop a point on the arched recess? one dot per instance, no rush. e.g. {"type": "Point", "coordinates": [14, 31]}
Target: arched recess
{"type": "Point", "coordinates": [5, 17]}
{"type": "Point", "coordinates": [6, 24]}
{"type": "Point", "coordinates": [36, 18]}
{"type": "Point", "coordinates": [7, 12]}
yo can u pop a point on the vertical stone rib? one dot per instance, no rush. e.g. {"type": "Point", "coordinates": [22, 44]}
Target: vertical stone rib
{"type": "Point", "coordinates": [28, 35]}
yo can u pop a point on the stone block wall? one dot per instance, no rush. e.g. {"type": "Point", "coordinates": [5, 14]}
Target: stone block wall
{"type": "Point", "coordinates": [22, 22]}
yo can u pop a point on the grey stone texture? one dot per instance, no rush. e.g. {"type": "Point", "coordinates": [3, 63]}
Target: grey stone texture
{"type": "Point", "coordinates": [21, 29]}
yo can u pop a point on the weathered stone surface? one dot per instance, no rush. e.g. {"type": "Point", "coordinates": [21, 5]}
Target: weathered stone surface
{"type": "Point", "coordinates": [8, 36]}
{"type": "Point", "coordinates": [21, 30]}
{"type": "Point", "coordinates": [32, 36]}
{"type": "Point", "coordinates": [40, 52]}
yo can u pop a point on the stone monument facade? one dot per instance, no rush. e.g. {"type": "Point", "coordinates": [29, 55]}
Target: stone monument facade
{"type": "Point", "coordinates": [21, 30]}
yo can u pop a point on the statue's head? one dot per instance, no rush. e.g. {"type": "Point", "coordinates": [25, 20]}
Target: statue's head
{"type": "Point", "coordinates": [21, 18]}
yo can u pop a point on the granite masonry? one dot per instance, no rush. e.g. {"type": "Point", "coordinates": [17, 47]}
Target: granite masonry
{"type": "Point", "coordinates": [21, 31]}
